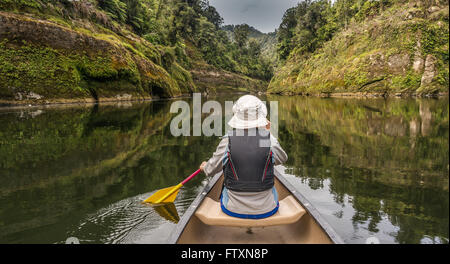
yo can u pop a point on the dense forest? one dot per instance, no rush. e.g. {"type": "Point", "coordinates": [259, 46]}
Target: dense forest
{"type": "Point", "coordinates": [359, 46]}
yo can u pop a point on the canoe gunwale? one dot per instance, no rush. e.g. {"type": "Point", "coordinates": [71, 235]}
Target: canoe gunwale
{"type": "Point", "coordinates": [176, 233]}
{"type": "Point", "coordinates": [331, 233]}
{"type": "Point", "coordinates": [309, 208]}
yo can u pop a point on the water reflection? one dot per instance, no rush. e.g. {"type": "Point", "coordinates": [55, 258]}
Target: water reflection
{"type": "Point", "coordinates": [168, 212]}
{"type": "Point", "coordinates": [386, 159]}
{"type": "Point", "coordinates": [64, 164]}
{"type": "Point", "coordinates": [371, 167]}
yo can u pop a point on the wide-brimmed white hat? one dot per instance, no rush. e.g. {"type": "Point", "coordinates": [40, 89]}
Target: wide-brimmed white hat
{"type": "Point", "coordinates": [249, 112]}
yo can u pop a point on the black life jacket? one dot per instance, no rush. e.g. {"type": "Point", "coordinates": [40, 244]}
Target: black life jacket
{"type": "Point", "coordinates": [248, 163]}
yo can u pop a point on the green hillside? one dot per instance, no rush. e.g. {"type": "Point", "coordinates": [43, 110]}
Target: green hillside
{"type": "Point", "coordinates": [99, 50]}
{"type": "Point", "coordinates": [364, 47]}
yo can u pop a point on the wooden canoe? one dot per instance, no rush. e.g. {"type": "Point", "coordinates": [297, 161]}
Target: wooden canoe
{"type": "Point", "coordinates": [296, 222]}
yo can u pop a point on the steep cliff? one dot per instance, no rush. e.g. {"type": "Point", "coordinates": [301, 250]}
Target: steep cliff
{"type": "Point", "coordinates": [42, 61]}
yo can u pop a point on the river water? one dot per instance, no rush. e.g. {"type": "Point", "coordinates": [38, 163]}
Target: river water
{"type": "Point", "coordinates": [372, 168]}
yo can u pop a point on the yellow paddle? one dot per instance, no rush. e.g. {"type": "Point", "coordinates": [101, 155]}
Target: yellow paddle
{"type": "Point", "coordinates": [168, 195]}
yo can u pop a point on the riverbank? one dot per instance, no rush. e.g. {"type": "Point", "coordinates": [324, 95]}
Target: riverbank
{"type": "Point", "coordinates": [78, 101]}
{"type": "Point", "coordinates": [129, 99]}
{"type": "Point", "coordinates": [365, 95]}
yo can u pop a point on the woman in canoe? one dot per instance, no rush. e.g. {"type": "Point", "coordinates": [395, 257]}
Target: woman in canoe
{"type": "Point", "coordinates": [247, 155]}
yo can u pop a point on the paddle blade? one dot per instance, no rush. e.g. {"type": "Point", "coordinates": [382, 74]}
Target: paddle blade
{"type": "Point", "coordinates": [168, 211]}
{"type": "Point", "coordinates": [166, 195]}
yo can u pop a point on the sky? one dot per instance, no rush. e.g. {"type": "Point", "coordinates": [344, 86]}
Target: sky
{"type": "Point", "coordinates": [264, 15]}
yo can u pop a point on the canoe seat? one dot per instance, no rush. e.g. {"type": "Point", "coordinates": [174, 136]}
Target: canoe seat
{"type": "Point", "coordinates": [289, 211]}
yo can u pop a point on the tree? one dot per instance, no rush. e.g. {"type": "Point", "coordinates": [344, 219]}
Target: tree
{"type": "Point", "coordinates": [206, 40]}
{"type": "Point", "coordinates": [285, 32]}
{"type": "Point", "coordinates": [116, 9]}
{"type": "Point", "coordinates": [213, 16]}
{"type": "Point", "coordinates": [307, 26]}
{"type": "Point", "coordinates": [241, 34]}
{"type": "Point", "coordinates": [138, 16]}
{"type": "Point", "coordinates": [184, 22]}
{"type": "Point", "coordinates": [254, 48]}
{"type": "Point", "coordinates": [311, 19]}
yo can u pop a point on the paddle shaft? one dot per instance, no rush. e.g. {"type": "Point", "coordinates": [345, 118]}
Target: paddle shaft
{"type": "Point", "coordinates": [192, 176]}
{"type": "Point", "coordinates": [179, 186]}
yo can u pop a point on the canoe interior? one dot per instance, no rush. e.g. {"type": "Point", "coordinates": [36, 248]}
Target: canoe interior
{"type": "Point", "coordinates": [304, 231]}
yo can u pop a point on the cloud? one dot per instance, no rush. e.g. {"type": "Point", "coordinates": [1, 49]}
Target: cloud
{"type": "Point", "coordinates": [249, 5]}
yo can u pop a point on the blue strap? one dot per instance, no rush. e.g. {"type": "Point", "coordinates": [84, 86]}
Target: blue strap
{"type": "Point", "coordinates": [248, 216]}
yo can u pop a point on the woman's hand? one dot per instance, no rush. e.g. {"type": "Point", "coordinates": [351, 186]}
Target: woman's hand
{"type": "Point", "coordinates": [268, 125]}
{"type": "Point", "coordinates": [202, 166]}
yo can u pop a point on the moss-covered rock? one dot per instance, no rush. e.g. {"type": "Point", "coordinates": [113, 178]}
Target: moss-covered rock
{"type": "Point", "coordinates": [183, 78]}
{"type": "Point", "coordinates": [43, 61]}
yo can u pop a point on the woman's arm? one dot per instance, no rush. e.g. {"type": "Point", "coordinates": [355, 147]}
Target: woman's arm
{"type": "Point", "coordinates": [214, 164]}
{"type": "Point", "coordinates": [278, 152]}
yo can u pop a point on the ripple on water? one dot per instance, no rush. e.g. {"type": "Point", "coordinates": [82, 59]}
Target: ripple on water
{"type": "Point", "coordinates": [130, 221]}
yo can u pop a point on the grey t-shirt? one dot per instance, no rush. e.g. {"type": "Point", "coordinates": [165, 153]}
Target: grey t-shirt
{"type": "Point", "coordinates": [246, 202]}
